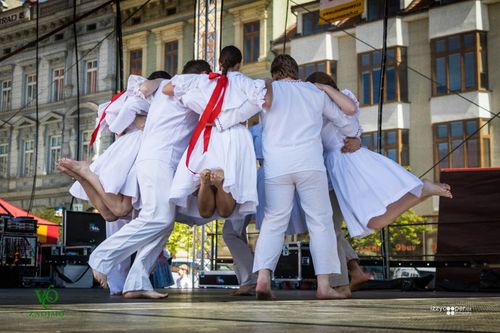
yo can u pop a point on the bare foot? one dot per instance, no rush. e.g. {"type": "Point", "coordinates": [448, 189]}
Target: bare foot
{"type": "Point", "coordinates": [246, 290]}
{"type": "Point", "coordinates": [101, 278]}
{"type": "Point", "coordinates": [430, 189]}
{"type": "Point", "coordinates": [329, 293]}
{"type": "Point", "coordinates": [150, 294]}
{"type": "Point", "coordinates": [344, 291]}
{"type": "Point", "coordinates": [79, 167]}
{"type": "Point", "coordinates": [357, 280]}
{"type": "Point", "coordinates": [205, 178]}
{"type": "Point", "coordinates": [70, 173]}
{"type": "Point", "coordinates": [217, 178]}
{"type": "Point", "coordinates": [263, 288]}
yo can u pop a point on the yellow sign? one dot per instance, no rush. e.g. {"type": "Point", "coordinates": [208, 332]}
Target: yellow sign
{"type": "Point", "coordinates": [335, 10]}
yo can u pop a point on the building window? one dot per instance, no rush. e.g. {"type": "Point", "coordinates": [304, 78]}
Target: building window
{"type": "Point", "coordinates": [6, 95]}
{"type": "Point", "coordinates": [476, 152]}
{"type": "Point", "coordinates": [396, 83]}
{"type": "Point", "coordinates": [136, 62]}
{"type": "Point", "coordinates": [4, 160]}
{"type": "Point", "coordinates": [86, 150]}
{"type": "Point", "coordinates": [54, 152]}
{"type": "Point", "coordinates": [251, 40]}
{"type": "Point", "coordinates": [171, 57]}
{"type": "Point", "coordinates": [30, 88]}
{"type": "Point", "coordinates": [28, 162]}
{"type": "Point", "coordinates": [91, 77]}
{"type": "Point", "coordinates": [58, 84]}
{"type": "Point", "coordinates": [326, 66]}
{"type": "Point", "coordinates": [311, 24]}
{"type": "Point", "coordinates": [459, 63]}
{"type": "Point", "coordinates": [375, 9]}
{"type": "Point", "coordinates": [394, 144]}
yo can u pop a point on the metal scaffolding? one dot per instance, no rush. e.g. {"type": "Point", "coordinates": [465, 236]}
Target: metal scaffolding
{"type": "Point", "coordinates": [208, 31]}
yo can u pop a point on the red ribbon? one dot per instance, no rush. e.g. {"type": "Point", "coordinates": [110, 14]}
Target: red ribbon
{"type": "Point", "coordinates": [96, 130]}
{"type": "Point", "coordinates": [211, 112]}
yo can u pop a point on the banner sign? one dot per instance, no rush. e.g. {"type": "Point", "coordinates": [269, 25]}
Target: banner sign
{"type": "Point", "coordinates": [335, 10]}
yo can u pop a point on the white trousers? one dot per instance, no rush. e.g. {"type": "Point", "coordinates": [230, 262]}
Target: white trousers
{"type": "Point", "coordinates": [312, 188]}
{"type": "Point", "coordinates": [117, 276]}
{"type": "Point", "coordinates": [242, 254]}
{"type": "Point", "coordinates": [145, 234]}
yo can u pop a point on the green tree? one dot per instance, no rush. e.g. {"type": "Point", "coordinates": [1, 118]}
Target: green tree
{"type": "Point", "coordinates": [407, 230]}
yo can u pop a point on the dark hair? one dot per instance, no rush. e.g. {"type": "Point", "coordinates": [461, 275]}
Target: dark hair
{"type": "Point", "coordinates": [159, 75]}
{"type": "Point", "coordinates": [284, 66]}
{"type": "Point", "coordinates": [196, 67]}
{"type": "Point", "coordinates": [229, 57]}
{"type": "Point", "coordinates": [321, 77]}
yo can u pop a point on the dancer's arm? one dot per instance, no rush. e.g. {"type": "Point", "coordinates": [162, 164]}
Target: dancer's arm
{"type": "Point", "coordinates": [345, 103]}
{"type": "Point", "coordinates": [348, 125]}
{"type": "Point", "coordinates": [260, 96]}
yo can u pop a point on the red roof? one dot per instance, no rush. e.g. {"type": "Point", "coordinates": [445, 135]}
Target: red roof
{"type": "Point", "coordinates": [48, 232]}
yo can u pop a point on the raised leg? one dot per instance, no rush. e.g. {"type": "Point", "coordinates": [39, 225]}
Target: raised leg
{"type": "Point", "coordinates": [206, 195]}
{"type": "Point", "coordinates": [118, 204]}
{"type": "Point", "coordinates": [223, 201]}
{"type": "Point", "coordinates": [94, 197]}
{"type": "Point", "coordinates": [408, 201]}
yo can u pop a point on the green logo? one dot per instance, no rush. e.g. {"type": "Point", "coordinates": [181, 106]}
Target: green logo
{"type": "Point", "coordinates": [46, 297]}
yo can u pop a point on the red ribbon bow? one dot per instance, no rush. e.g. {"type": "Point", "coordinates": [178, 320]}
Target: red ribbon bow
{"type": "Point", "coordinates": [96, 129]}
{"type": "Point", "coordinates": [211, 112]}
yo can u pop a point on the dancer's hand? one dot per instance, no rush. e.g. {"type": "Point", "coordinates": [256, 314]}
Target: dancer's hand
{"type": "Point", "coordinates": [351, 145]}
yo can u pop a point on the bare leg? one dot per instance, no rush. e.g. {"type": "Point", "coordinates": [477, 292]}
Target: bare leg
{"type": "Point", "coordinates": [118, 204]}
{"type": "Point", "coordinates": [94, 197]}
{"type": "Point", "coordinates": [223, 201]}
{"type": "Point", "coordinates": [358, 277]}
{"type": "Point", "coordinates": [325, 291]}
{"type": "Point", "coordinates": [150, 294]}
{"type": "Point", "coordinates": [263, 288]}
{"type": "Point", "coordinates": [408, 201]}
{"type": "Point", "coordinates": [206, 196]}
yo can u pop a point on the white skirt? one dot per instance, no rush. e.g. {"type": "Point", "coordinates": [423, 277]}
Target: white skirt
{"type": "Point", "coordinates": [297, 224]}
{"type": "Point", "coordinates": [365, 184]}
{"type": "Point", "coordinates": [230, 150]}
{"type": "Point", "coordinates": [116, 169]}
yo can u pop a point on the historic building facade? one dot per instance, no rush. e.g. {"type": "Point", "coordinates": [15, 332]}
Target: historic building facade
{"type": "Point", "coordinates": [56, 94]}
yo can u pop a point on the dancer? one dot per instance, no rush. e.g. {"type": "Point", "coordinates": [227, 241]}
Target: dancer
{"type": "Point", "coordinates": [291, 133]}
{"type": "Point", "coordinates": [110, 182]}
{"type": "Point", "coordinates": [220, 168]}
{"type": "Point", "coordinates": [166, 134]}
{"type": "Point", "coordinates": [372, 190]}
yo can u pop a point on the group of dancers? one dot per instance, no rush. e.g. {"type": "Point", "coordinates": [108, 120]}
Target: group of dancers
{"type": "Point", "coordinates": [182, 153]}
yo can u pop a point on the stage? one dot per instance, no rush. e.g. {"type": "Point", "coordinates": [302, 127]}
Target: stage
{"type": "Point", "coordinates": [212, 310]}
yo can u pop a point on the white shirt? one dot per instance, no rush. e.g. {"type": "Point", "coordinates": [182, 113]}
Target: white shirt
{"type": "Point", "coordinates": [168, 128]}
{"type": "Point", "coordinates": [243, 98]}
{"type": "Point", "coordinates": [291, 137]}
{"type": "Point", "coordinates": [121, 114]}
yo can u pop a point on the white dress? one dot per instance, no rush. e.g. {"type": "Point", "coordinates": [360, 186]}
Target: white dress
{"type": "Point", "coordinates": [231, 149]}
{"type": "Point", "coordinates": [116, 166]}
{"type": "Point", "coordinates": [365, 182]}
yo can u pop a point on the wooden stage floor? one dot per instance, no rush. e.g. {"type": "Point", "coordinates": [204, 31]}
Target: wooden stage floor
{"type": "Point", "coordinates": [212, 310]}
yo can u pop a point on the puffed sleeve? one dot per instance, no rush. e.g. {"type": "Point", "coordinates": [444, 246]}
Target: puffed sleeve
{"type": "Point", "coordinates": [255, 90]}
{"type": "Point", "coordinates": [134, 84]}
{"type": "Point", "coordinates": [185, 82]}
